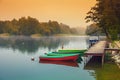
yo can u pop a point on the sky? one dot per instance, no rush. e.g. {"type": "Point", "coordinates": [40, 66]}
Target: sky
{"type": "Point", "coordinates": [70, 12]}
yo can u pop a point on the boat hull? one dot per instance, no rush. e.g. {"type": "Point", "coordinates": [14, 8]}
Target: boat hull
{"type": "Point", "coordinates": [60, 54]}
{"type": "Point", "coordinates": [71, 51]}
{"type": "Point", "coordinates": [61, 58]}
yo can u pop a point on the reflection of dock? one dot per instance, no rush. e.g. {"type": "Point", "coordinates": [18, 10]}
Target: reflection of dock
{"type": "Point", "coordinates": [66, 63]}
{"type": "Point", "coordinates": [93, 63]}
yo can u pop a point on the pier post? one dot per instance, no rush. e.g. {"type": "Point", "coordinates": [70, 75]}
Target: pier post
{"type": "Point", "coordinates": [103, 56]}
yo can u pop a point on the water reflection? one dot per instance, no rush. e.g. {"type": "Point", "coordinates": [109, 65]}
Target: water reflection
{"type": "Point", "coordinates": [30, 45]}
{"type": "Point", "coordinates": [15, 65]}
{"type": "Point", "coordinates": [66, 63]}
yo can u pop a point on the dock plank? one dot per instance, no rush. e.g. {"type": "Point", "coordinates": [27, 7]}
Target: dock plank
{"type": "Point", "coordinates": [97, 49]}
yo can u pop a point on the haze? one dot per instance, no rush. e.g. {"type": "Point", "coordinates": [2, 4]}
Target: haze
{"type": "Point", "coordinates": [70, 12]}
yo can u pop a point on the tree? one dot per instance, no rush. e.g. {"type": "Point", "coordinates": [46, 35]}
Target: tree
{"type": "Point", "coordinates": [1, 26]}
{"type": "Point", "coordinates": [9, 28]}
{"type": "Point", "coordinates": [28, 26]}
{"type": "Point", "coordinates": [33, 25]}
{"type": "Point", "coordinates": [54, 27]}
{"type": "Point", "coordinates": [92, 29]}
{"type": "Point", "coordinates": [105, 15]}
{"type": "Point", "coordinates": [64, 29]}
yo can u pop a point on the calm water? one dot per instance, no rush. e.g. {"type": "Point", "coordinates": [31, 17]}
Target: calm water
{"type": "Point", "coordinates": [16, 64]}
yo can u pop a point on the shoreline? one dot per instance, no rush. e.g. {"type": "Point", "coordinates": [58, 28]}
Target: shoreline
{"type": "Point", "coordinates": [6, 35]}
{"type": "Point", "coordinates": [115, 55]}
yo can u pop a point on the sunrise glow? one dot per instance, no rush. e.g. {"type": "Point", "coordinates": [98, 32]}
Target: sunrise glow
{"type": "Point", "coordinates": [70, 12]}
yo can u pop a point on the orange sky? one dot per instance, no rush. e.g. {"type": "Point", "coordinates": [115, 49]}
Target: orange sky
{"type": "Point", "coordinates": [70, 12]}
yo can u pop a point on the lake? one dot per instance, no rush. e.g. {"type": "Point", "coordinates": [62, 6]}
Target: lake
{"type": "Point", "coordinates": [16, 64]}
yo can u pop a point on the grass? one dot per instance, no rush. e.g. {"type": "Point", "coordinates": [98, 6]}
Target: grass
{"type": "Point", "coordinates": [109, 71]}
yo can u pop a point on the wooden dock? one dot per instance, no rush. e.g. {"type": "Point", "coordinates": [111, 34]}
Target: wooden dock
{"type": "Point", "coordinates": [97, 49]}
{"type": "Point", "coordinates": [117, 50]}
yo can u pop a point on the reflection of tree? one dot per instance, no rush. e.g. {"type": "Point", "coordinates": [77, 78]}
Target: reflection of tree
{"type": "Point", "coordinates": [26, 45]}
{"type": "Point", "coordinates": [30, 45]}
{"type": "Point", "coordinates": [53, 42]}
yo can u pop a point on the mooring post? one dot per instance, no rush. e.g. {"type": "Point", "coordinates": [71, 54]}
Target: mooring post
{"type": "Point", "coordinates": [103, 56]}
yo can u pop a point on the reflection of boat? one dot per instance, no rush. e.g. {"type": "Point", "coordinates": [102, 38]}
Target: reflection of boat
{"type": "Point", "coordinates": [71, 51]}
{"type": "Point", "coordinates": [60, 58]}
{"type": "Point", "coordinates": [66, 63]}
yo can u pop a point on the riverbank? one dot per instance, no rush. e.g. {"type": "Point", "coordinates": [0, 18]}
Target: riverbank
{"type": "Point", "coordinates": [115, 55]}
{"type": "Point", "coordinates": [5, 35]}
{"type": "Point", "coordinates": [36, 36]}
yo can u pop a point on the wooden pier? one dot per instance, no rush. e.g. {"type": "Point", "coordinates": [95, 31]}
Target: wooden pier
{"type": "Point", "coordinates": [117, 50]}
{"type": "Point", "coordinates": [97, 49]}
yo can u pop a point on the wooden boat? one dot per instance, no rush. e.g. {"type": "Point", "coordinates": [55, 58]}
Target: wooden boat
{"type": "Point", "coordinates": [63, 53]}
{"type": "Point", "coordinates": [60, 58]}
{"type": "Point", "coordinates": [59, 54]}
{"type": "Point", "coordinates": [65, 63]}
{"type": "Point", "coordinates": [71, 51]}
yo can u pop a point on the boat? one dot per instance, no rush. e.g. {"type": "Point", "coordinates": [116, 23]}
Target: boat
{"type": "Point", "coordinates": [71, 51]}
{"type": "Point", "coordinates": [65, 63]}
{"type": "Point", "coordinates": [60, 58]}
{"type": "Point", "coordinates": [65, 52]}
{"type": "Point", "coordinates": [60, 54]}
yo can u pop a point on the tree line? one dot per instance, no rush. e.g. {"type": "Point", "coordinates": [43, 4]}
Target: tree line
{"type": "Point", "coordinates": [92, 30]}
{"type": "Point", "coordinates": [105, 14]}
{"type": "Point", "coordinates": [28, 26]}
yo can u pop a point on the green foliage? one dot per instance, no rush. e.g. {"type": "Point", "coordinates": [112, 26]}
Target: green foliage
{"type": "Point", "coordinates": [114, 35]}
{"type": "Point", "coordinates": [28, 26]}
{"type": "Point", "coordinates": [64, 29]}
{"type": "Point", "coordinates": [106, 15]}
{"type": "Point", "coordinates": [1, 26]}
{"type": "Point", "coordinates": [109, 71]}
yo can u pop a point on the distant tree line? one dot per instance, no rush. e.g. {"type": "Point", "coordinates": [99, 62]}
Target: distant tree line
{"type": "Point", "coordinates": [92, 29]}
{"type": "Point", "coordinates": [106, 15]}
{"type": "Point", "coordinates": [28, 26]}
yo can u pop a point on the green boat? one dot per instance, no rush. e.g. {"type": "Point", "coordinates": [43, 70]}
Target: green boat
{"type": "Point", "coordinates": [71, 57]}
{"type": "Point", "coordinates": [71, 51]}
{"type": "Point", "coordinates": [60, 54]}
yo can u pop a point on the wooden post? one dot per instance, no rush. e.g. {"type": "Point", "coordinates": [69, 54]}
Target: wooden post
{"type": "Point", "coordinates": [62, 46]}
{"type": "Point", "coordinates": [103, 59]}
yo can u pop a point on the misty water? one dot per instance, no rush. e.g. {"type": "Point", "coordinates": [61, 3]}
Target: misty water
{"type": "Point", "coordinates": [16, 63]}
